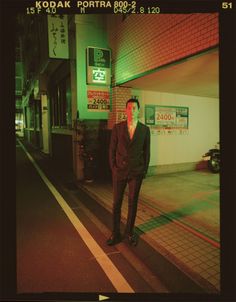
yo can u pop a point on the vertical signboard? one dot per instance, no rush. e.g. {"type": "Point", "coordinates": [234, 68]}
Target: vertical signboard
{"type": "Point", "coordinates": [98, 66]}
{"type": "Point", "coordinates": [58, 36]}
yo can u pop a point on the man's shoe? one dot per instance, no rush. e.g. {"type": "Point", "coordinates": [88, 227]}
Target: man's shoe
{"type": "Point", "coordinates": [114, 239]}
{"type": "Point", "coordinates": [132, 239]}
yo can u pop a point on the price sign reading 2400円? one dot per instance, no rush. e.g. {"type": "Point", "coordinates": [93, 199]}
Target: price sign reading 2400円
{"type": "Point", "coordinates": [166, 116]}
{"type": "Point", "coordinates": [98, 100]}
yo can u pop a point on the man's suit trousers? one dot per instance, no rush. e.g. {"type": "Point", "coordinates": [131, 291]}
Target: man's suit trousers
{"type": "Point", "coordinates": [134, 185]}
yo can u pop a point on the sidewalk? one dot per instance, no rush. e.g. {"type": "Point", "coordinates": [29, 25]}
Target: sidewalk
{"type": "Point", "coordinates": [178, 216]}
{"type": "Point", "coordinates": [177, 223]}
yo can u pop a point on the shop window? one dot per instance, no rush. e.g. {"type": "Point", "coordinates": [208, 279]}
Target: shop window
{"type": "Point", "coordinates": [61, 104]}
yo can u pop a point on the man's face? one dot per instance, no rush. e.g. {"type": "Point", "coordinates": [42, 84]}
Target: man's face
{"type": "Point", "coordinates": [132, 111]}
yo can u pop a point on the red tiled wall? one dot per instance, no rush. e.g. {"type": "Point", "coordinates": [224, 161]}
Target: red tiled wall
{"type": "Point", "coordinates": [143, 42]}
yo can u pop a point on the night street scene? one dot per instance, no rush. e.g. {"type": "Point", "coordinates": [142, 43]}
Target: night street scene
{"type": "Point", "coordinates": [119, 178]}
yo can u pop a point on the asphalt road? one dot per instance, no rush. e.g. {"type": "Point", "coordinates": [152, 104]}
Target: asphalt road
{"type": "Point", "coordinates": [61, 245]}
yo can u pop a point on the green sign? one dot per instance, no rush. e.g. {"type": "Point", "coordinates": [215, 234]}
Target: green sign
{"type": "Point", "coordinates": [99, 57]}
{"type": "Point", "coordinates": [98, 66]}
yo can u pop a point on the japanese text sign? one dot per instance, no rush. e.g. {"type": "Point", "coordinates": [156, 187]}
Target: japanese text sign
{"type": "Point", "coordinates": [58, 36]}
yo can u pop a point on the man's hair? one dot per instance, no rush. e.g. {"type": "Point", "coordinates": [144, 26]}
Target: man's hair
{"type": "Point", "coordinates": [133, 101]}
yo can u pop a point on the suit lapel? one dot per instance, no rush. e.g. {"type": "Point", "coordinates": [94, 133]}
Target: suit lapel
{"type": "Point", "coordinates": [136, 133]}
{"type": "Point", "coordinates": [126, 132]}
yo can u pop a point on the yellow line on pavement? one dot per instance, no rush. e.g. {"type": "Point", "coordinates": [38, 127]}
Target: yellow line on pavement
{"type": "Point", "coordinates": [116, 278]}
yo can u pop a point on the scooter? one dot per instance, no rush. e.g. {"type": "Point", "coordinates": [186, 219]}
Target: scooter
{"type": "Point", "coordinates": [213, 159]}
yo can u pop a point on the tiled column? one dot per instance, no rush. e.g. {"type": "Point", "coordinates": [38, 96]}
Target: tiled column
{"type": "Point", "coordinates": [119, 97]}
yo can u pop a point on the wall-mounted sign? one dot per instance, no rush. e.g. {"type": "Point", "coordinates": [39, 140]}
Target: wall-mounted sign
{"type": "Point", "coordinates": [167, 119]}
{"type": "Point", "coordinates": [58, 36]}
{"type": "Point", "coordinates": [98, 66]}
{"type": "Point", "coordinates": [99, 75]}
{"type": "Point", "coordinates": [98, 99]}
{"type": "Point", "coordinates": [120, 115]}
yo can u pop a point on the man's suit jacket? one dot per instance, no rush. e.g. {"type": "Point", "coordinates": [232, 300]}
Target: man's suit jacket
{"type": "Point", "coordinates": [129, 157]}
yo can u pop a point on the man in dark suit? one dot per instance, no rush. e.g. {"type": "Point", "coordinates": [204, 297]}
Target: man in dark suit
{"type": "Point", "coordinates": [129, 156]}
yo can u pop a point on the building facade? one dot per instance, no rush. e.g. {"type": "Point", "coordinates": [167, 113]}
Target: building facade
{"type": "Point", "coordinates": [169, 62]}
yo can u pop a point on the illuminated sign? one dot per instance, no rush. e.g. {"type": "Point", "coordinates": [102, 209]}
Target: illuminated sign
{"type": "Point", "coordinates": [99, 75]}
{"type": "Point", "coordinates": [98, 66]}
